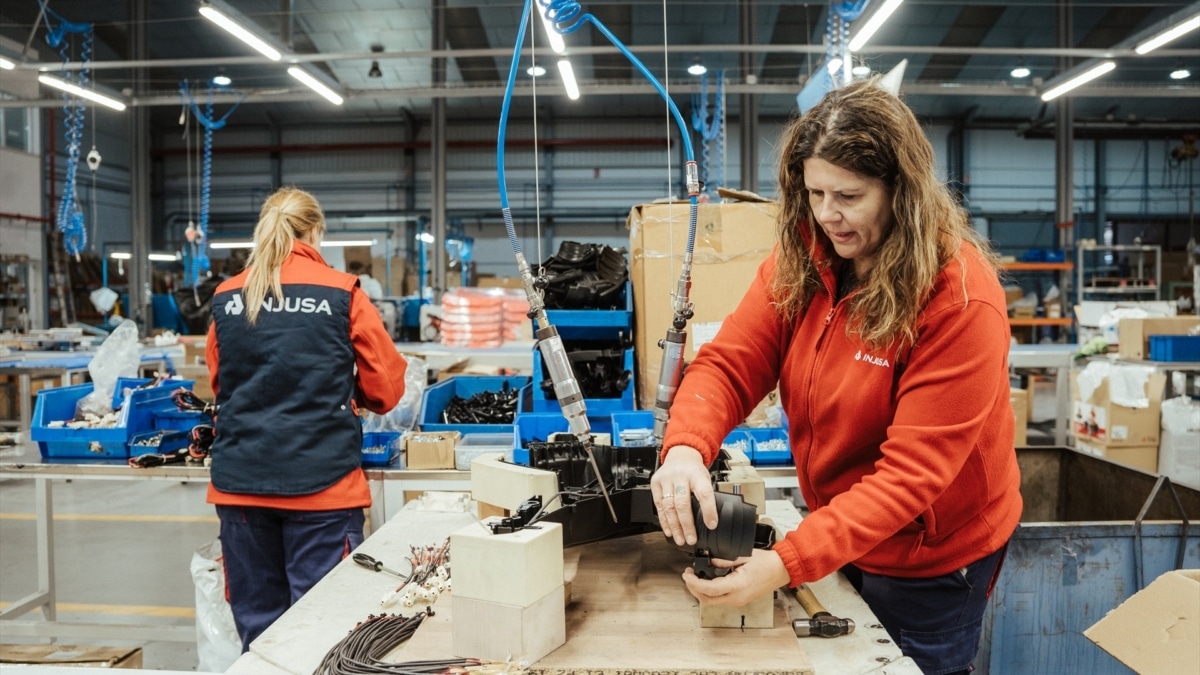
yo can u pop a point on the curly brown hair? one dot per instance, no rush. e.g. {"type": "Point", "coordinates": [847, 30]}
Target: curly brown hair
{"type": "Point", "coordinates": [865, 129]}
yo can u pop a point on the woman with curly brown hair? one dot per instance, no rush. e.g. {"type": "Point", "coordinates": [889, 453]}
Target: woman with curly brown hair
{"type": "Point", "coordinates": [881, 319]}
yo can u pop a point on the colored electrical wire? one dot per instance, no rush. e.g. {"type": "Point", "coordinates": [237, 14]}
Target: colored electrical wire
{"type": "Point", "coordinates": [187, 401]}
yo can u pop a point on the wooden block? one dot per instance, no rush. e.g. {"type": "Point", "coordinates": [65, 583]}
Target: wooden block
{"type": "Point", "coordinates": [510, 569]}
{"type": "Point", "coordinates": [745, 481]}
{"type": "Point", "coordinates": [506, 485]}
{"type": "Point", "coordinates": [736, 456]}
{"type": "Point", "coordinates": [499, 632]}
{"type": "Point", "coordinates": [758, 613]}
{"type": "Point", "coordinates": [485, 511]}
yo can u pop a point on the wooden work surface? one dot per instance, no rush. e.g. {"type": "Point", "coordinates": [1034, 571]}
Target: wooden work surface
{"type": "Point", "coordinates": [629, 612]}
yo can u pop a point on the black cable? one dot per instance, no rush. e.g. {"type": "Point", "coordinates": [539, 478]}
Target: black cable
{"type": "Point", "coordinates": [187, 401]}
{"type": "Point", "coordinates": [362, 650]}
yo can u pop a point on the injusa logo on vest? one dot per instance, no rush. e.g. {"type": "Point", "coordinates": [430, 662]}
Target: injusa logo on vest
{"type": "Point", "coordinates": [235, 306]}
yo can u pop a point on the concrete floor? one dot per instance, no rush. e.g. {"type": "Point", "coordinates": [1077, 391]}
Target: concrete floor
{"type": "Point", "coordinates": [123, 552]}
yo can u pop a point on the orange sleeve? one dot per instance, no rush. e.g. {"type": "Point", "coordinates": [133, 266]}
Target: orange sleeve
{"type": "Point", "coordinates": [211, 356]}
{"type": "Point", "coordinates": [380, 367]}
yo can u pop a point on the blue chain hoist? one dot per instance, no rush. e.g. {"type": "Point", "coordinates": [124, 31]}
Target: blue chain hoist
{"type": "Point", "coordinates": [199, 239]}
{"type": "Point", "coordinates": [712, 132]}
{"type": "Point", "coordinates": [70, 216]}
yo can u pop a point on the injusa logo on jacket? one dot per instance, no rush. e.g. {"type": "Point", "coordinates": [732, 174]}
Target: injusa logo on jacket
{"type": "Point", "coordinates": [873, 360]}
{"type": "Point", "coordinates": [235, 306]}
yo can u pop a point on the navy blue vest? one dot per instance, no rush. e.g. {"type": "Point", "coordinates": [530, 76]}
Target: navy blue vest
{"type": "Point", "coordinates": [286, 425]}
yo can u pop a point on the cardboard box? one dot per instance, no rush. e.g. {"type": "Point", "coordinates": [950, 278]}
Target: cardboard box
{"type": "Point", "coordinates": [491, 281]}
{"type": "Point", "coordinates": [393, 286]}
{"type": "Point", "coordinates": [1020, 404]}
{"type": "Point", "coordinates": [1157, 630]}
{"type": "Point", "coordinates": [1133, 335]}
{"type": "Point", "coordinates": [430, 449]}
{"type": "Point", "coordinates": [70, 656]}
{"type": "Point", "coordinates": [203, 386]}
{"type": "Point", "coordinates": [732, 239]}
{"type": "Point", "coordinates": [358, 259]}
{"type": "Point", "coordinates": [1144, 457]}
{"type": "Point", "coordinates": [1099, 421]}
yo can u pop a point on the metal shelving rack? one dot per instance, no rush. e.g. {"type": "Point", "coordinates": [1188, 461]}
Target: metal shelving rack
{"type": "Point", "coordinates": [1136, 285]}
{"type": "Point", "coordinates": [14, 291]}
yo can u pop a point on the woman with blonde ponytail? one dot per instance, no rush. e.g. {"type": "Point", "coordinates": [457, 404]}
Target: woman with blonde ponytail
{"type": "Point", "coordinates": [294, 350]}
{"type": "Point", "coordinates": [881, 320]}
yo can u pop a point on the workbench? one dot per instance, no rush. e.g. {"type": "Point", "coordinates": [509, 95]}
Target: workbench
{"type": "Point", "coordinates": [1060, 358]}
{"type": "Point", "coordinates": [26, 462]}
{"type": "Point", "coordinates": [65, 369]}
{"type": "Point", "coordinates": [298, 641]}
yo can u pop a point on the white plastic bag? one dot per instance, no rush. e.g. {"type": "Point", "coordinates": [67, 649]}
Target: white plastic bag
{"type": "Point", "coordinates": [118, 356]}
{"type": "Point", "coordinates": [404, 416]}
{"type": "Point", "coordinates": [217, 641]}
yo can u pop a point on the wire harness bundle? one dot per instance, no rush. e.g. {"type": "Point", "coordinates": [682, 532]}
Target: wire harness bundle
{"type": "Point", "coordinates": [430, 576]}
{"type": "Point", "coordinates": [363, 649]}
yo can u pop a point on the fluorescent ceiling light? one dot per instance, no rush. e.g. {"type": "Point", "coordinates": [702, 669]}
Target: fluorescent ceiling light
{"type": "Point", "coordinates": [240, 32]}
{"type": "Point", "coordinates": [1168, 35]}
{"type": "Point", "coordinates": [231, 244]}
{"type": "Point", "coordinates": [157, 257]}
{"type": "Point", "coordinates": [5, 64]}
{"type": "Point", "coordinates": [1180, 74]}
{"type": "Point", "coordinates": [861, 70]}
{"type": "Point", "coordinates": [315, 84]}
{"type": "Point", "coordinates": [348, 242]}
{"type": "Point", "coordinates": [1079, 80]}
{"type": "Point", "coordinates": [834, 65]}
{"type": "Point", "coordinates": [89, 94]}
{"type": "Point", "coordinates": [552, 35]}
{"type": "Point", "coordinates": [568, 79]}
{"type": "Point", "coordinates": [222, 80]}
{"type": "Point", "coordinates": [697, 69]}
{"type": "Point", "coordinates": [874, 23]}
{"type": "Point", "coordinates": [425, 237]}
{"type": "Point", "coordinates": [1020, 72]}
{"type": "Point", "coordinates": [536, 71]}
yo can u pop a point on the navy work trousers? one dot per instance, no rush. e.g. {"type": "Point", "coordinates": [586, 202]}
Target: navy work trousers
{"type": "Point", "coordinates": [937, 622]}
{"type": "Point", "coordinates": [273, 556]}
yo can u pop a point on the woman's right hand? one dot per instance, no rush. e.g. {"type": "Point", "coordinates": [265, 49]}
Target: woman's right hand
{"type": "Point", "coordinates": [681, 475]}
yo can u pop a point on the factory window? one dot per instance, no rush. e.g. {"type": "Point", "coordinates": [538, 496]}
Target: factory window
{"type": "Point", "coordinates": [17, 128]}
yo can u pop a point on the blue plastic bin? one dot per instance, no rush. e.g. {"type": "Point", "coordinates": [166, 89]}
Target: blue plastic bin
{"type": "Point", "coordinates": [760, 457]}
{"type": "Point", "coordinates": [594, 324]}
{"type": "Point", "coordinates": [595, 406]}
{"type": "Point", "coordinates": [631, 419]}
{"type": "Point", "coordinates": [384, 447]}
{"type": "Point", "coordinates": [169, 442]}
{"type": "Point", "coordinates": [437, 397]}
{"type": "Point", "coordinates": [742, 440]}
{"type": "Point", "coordinates": [136, 416]}
{"type": "Point", "coordinates": [1175, 348]}
{"type": "Point", "coordinates": [531, 427]}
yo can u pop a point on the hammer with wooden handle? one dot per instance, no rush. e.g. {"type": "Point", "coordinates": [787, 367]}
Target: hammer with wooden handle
{"type": "Point", "coordinates": [819, 622]}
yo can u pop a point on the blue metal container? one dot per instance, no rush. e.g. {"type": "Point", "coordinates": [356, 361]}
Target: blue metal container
{"type": "Point", "coordinates": [1093, 533]}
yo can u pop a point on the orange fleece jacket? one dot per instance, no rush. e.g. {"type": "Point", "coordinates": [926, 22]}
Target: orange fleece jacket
{"type": "Point", "coordinates": [905, 460]}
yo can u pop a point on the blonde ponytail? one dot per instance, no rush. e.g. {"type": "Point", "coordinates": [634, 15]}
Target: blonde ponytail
{"type": "Point", "coordinates": [286, 216]}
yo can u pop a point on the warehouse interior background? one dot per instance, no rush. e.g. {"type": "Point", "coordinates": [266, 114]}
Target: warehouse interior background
{"type": "Point", "coordinates": [405, 166]}
{"type": "Point", "coordinates": [412, 148]}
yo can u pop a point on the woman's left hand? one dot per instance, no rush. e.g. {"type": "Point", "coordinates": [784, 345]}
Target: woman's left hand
{"type": "Point", "coordinates": [758, 575]}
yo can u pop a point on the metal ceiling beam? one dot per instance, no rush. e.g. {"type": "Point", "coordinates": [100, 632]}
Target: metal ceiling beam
{"type": "Point", "coordinates": [637, 49]}
{"type": "Point", "coordinates": [165, 98]}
